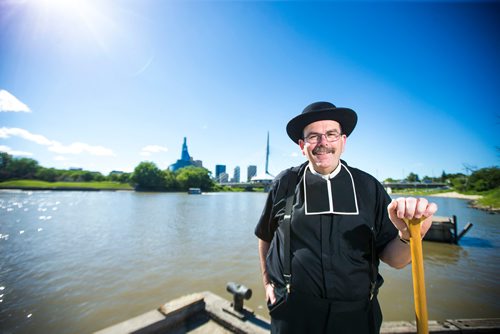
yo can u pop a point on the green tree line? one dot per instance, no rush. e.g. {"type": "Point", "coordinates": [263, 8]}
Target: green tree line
{"type": "Point", "coordinates": [479, 180]}
{"type": "Point", "coordinates": [146, 176]}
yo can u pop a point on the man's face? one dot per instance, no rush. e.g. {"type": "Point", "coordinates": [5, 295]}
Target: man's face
{"type": "Point", "coordinates": [323, 144]}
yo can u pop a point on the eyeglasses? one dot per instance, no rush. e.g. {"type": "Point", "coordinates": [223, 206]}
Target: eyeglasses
{"type": "Point", "coordinates": [330, 136]}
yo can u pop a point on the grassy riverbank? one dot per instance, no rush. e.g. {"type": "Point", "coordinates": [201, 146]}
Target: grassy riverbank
{"type": "Point", "coordinates": [490, 200]}
{"type": "Point", "coordinates": [487, 200]}
{"type": "Point", "coordinates": [105, 185]}
{"type": "Point", "coordinates": [42, 185]}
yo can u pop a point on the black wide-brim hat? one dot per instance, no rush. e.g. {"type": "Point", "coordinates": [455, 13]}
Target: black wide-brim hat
{"type": "Point", "coordinates": [320, 111]}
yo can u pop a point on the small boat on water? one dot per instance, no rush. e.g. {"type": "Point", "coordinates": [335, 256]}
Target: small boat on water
{"type": "Point", "coordinates": [444, 229]}
{"type": "Point", "coordinates": [194, 191]}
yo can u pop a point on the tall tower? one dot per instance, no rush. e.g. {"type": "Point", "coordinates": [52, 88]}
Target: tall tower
{"type": "Point", "coordinates": [219, 170]}
{"type": "Point", "coordinates": [251, 172]}
{"type": "Point", "coordinates": [185, 155]}
{"type": "Point", "coordinates": [266, 177]}
{"type": "Point", "coordinates": [267, 155]}
{"type": "Point", "coordinates": [236, 176]}
{"type": "Point", "coordinates": [185, 159]}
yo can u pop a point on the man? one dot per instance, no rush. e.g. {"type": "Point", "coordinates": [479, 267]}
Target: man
{"type": "Point", "coordinates": [320, 254]}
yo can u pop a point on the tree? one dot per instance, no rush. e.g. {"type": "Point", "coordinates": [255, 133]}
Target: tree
{"type": "Point", "coordinates": [444, 177]}
{"type": "Point", "coordinates": [427, 179]}
{"type": "Point", "coordinates": [412, 177]}
{"type": "Point", "coordinates": [88, 176]}
{"type": "Point", "coordinates": [120, 177]}
{"type": "Point", "coordinates": [46, 174]}
{"type": "Point", "coordinates": [390, 180]}
{"type": "Point", "coordinates": [147, 176]}
{"type": "Point", "coordinates": [469, 169]}
{"type": "Point", "coordinates": [22, 168]}
{"type": "Point", "coordinates": [194, 177]}
{"type": "Point", "coordinates": [458, 183]}
{"type": "Point", "coordinates": [5, 160]}
{"type": "Point", "coordinates": [170, 180]}
{"type": "Point", "coordinates": [485, 179]}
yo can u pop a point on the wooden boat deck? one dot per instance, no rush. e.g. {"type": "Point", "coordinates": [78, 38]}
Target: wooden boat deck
{"type": "Point", "coordinates": [202, 312]}
{"type": "Point", "coordinates": [207, 313]}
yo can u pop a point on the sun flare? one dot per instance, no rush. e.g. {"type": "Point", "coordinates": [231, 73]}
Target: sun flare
{"type": "Point", "coordinates": [79, 29]}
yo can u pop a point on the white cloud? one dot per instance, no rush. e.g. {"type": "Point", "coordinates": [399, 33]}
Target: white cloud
{"type": "Point", "coordinates": [150, 149]}
{"type": "Point", "coordinates": [9, 102]}
{"type": "Point", "coordinates": [55, 146]}
{"type": "Point", "coordinates": [16, 132]}
{"type": "Point", "coordinates": [10, 151]}
{"type": "Point", "coordinates": [78, 148]}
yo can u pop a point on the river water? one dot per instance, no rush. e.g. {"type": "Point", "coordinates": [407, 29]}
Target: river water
{"type": "Point", "coordinates": [76, 262]}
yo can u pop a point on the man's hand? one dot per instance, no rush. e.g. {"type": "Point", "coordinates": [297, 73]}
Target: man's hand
{"type": "Point", "coordinates": [263, 249]}
{"type": "Point", "coordinates": [410, 208]}
{"type": "Point", "coordinates": [270, 297]}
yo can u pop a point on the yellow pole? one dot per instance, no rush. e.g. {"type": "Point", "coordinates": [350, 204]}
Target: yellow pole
{"type": "Point", "coordinates": [417, 268]}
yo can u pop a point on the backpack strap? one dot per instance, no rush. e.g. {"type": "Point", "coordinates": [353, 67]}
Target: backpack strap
{"type": "Point", "coordinates": [287, 218]}
{"type": "Point", "coordinates": [373, 266]}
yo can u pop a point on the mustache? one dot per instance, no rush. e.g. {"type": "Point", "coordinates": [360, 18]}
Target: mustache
{"type": "Point", "coordinates": [323, 150]}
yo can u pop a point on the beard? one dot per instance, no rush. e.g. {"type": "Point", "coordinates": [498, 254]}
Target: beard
{"type": "Point", "coordinates": [323, 150]}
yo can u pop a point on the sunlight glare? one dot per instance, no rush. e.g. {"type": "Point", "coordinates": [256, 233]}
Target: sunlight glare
{"type": "Point", "coordinates": [66, 20]}
{"type": "Point", "coordinates": [62, 6]}
{"type": "Point", "coordinates": [101, 28]}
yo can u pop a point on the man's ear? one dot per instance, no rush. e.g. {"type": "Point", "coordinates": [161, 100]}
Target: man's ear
{"type": "Point", "coordinates": [302, 145]}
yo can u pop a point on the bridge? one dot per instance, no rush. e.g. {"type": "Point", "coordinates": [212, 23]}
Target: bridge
{"type": "Point", "coordinates": [413, 185]}
{"type": "Point", "coordinates": [265, 181]}
{"type": "Point", "coordinates": [248, 185]}
{"type": "Point", "coordinates": [389, 186]}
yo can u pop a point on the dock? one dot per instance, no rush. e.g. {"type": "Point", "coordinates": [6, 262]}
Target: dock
{"type": "Point", "coordinates": [456, 326]}
{"type": "Point", "coordinates": [444, 229]}
{"type": "Point", "coordinates": [205, 312]}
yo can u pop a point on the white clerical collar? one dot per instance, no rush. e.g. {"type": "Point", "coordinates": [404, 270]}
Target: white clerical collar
{"type": "Point", "coordinates": [326, 176]}
{"type": "Point", "coordinates": [325, 194]}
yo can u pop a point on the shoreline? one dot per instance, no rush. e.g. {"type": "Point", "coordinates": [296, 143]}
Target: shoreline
{"type": "Point", "coordinates": [454, 194]}
{"type": "Point", "coordinates": [451, 194]}
{"type": "Point", "coordinates": [63, 189]}
{"type": "Point", "coordinates": [471, 198]}
{"type": "Point", "coordinates": [472, 201]}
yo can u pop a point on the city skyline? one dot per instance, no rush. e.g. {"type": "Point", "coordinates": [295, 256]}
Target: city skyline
{"type": "Point", "coordinates": [218, 173]}
{"type": "Point", "coordinates": [104, 85]}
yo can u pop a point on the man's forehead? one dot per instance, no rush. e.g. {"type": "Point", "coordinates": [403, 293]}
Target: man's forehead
{"type": "Point", "coordinates": [324, 125]}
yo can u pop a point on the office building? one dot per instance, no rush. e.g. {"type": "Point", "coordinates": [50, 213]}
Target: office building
{"type": "Point", "coordinates": [251, 172]}
{"type": "Point", "coordinates": [219, 169]}
{"type": "Point", "coordinates": [223, 177]}
{"type": "Point", "coordinates": [236, 176]}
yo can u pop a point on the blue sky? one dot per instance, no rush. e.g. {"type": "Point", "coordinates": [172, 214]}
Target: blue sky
{"type": "Point", "coordinates": [104, 85]}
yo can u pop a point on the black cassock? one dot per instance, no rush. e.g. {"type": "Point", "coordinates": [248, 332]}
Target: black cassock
{"type": "Point", "coordinates": [339, 226]}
